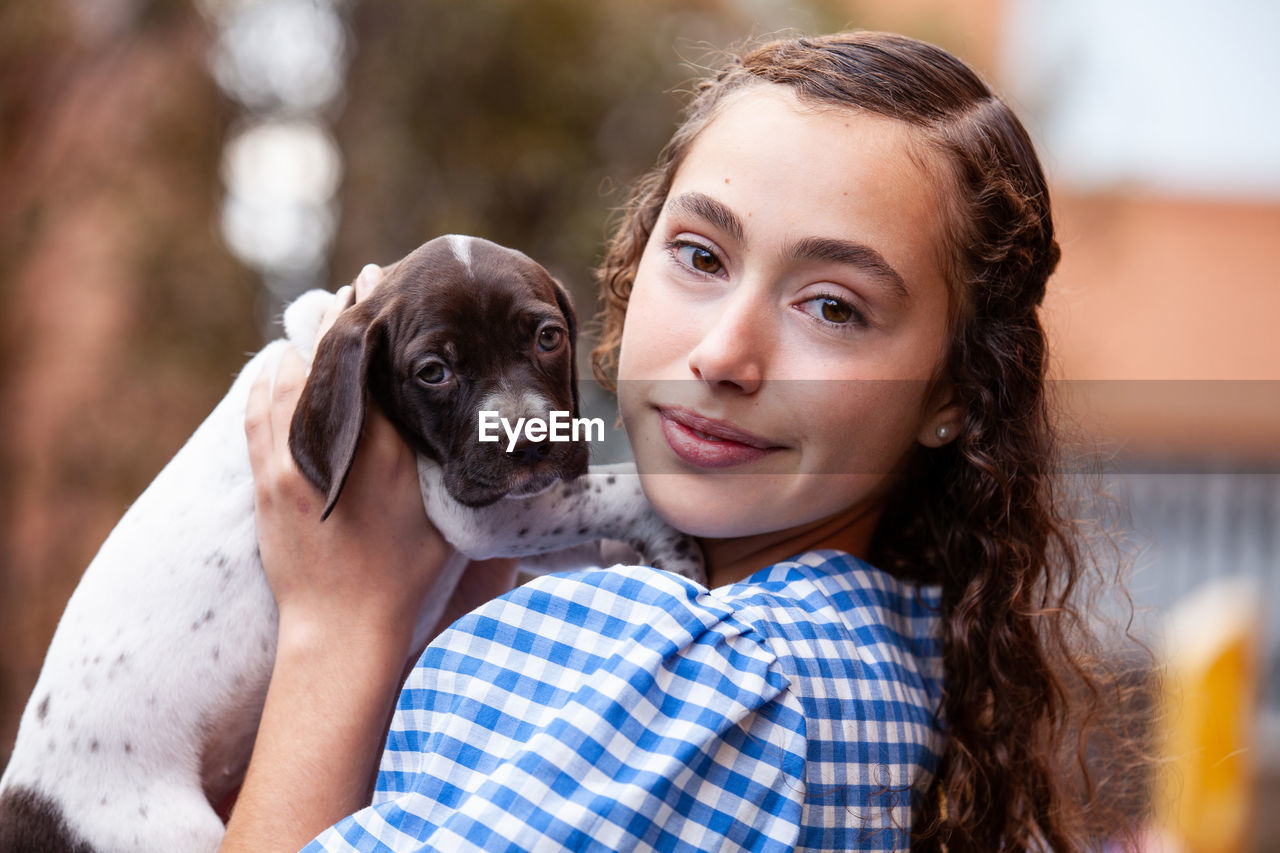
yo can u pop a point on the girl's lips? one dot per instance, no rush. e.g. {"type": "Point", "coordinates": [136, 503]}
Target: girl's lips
{"type": "Point", "coordinates": [705, 443]}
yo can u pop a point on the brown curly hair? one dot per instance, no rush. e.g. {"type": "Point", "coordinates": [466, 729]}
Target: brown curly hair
{"type": "Point", "coordinates": [985, 515]}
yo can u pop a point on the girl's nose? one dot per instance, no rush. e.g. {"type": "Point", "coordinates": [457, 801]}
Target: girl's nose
{"type": "Point", "coordinates": [734, 346]}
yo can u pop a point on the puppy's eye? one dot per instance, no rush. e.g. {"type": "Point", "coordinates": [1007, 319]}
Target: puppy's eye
{"type": "Point", "coordinates": [550, 338]}
{"type": "Point", "coordinates": [433, 373]}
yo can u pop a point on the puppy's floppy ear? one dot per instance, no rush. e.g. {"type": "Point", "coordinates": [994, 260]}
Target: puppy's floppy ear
{"type": "Point", "coordinates": [329, 418]}
{"type": "Point", "coordinates": [565, 304]}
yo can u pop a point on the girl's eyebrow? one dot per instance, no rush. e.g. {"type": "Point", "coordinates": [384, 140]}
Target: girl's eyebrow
{"type": "Point", "coordinates": [827, 249]}
{"type": "Point", "coordinates": [849, 253]}
{"type": "Point", "coordinates": [705, 207]}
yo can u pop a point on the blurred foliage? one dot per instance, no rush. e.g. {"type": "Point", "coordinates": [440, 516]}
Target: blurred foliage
{"type": "Point", "coordinates": [517, 121]}
{"type": "Point", "coordinates": [122, 316]}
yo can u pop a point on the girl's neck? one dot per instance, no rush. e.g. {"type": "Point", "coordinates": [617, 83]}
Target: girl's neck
{"type": "Point", "coordinates": [731, 560]}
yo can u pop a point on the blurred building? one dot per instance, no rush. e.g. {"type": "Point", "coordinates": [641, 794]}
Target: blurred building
{"type": "Point", "coordinates": [1163, 156]}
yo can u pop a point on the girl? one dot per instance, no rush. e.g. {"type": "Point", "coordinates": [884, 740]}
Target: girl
{"type": "Point", "coordinates": [821, 324]}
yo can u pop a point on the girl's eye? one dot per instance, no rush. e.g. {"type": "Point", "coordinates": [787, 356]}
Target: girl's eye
{"type": "Point", "coordinates": [433, 373]}
{"type": "Point", "coordinates": [835, 311]}
{"type": "Point", "coordinates": [697, 257]}
{"type": "Point", "coordinates": [550, 338]}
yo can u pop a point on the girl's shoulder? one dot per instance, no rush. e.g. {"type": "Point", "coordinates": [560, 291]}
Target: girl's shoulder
{"type": "Point", "coordinates": [810, 594]}
{"type": "Point", "coordinates": [813, 677]}
{"type": "Point", "coordinates": [836, 597]}
{"type": "Point", "coordinates": [820, 614]}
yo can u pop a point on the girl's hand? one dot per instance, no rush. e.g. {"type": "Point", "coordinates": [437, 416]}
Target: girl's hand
{"type": "Point", "coordinates": [370, 565]}
{"type": "Point", "coordinates": [348, 590]}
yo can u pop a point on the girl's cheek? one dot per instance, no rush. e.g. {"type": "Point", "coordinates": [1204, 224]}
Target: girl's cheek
{"type": "Point", "coordinates": [651, 334]}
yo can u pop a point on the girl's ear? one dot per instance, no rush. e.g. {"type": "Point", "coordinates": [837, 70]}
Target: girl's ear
{"type": "Point", "coordinates": [329, 418]}
{"type": "Point", "coordinates": [945, 415]}
{"type": "Point", "coordinates": [942, 429]}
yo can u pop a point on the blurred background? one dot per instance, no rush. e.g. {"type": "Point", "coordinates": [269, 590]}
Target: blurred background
{"type": "Point", "coordinates": [173, 171]}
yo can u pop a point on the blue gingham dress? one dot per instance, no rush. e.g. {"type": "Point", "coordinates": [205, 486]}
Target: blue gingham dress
{"type": "Point", "coordinates": [632, 709]}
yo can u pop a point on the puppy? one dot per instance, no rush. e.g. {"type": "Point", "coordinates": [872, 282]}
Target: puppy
{"type": "Point", "coordinates": [150, 696]}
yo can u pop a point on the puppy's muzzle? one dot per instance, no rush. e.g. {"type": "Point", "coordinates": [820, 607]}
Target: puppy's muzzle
{"type": "Point", "coordinates": [530, 453]}
{"type": "Point", "coordinates": [487, 473]}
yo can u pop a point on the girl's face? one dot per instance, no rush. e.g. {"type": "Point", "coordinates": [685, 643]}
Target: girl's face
{"type": "Point", "coordinates": [787, 319]}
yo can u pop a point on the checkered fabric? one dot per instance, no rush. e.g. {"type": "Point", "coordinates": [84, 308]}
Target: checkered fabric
{"type": "Point", "coordinates": [631, 709]}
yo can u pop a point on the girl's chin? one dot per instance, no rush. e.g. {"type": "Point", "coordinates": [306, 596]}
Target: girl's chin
{"type": "Point", "coordinates": [725, 507]}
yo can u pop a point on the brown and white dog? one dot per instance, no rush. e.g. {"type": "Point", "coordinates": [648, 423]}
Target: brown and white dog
{"type": "Point", "coordinates": [146, 708]}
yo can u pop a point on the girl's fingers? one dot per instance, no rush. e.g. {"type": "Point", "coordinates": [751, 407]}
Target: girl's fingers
{"type": "Point", "coordinates": [368, 279]}
{"type": "Point", "coordinates": [268, 414]}
{"type": "Point", "coordinates": [348, 295]}
{"type": "Point", "coordinates": [257, 421]}
{"type": "Point", "coordinates": [291, 374]}
{"type": "Point", "coordinates": [343, 299]}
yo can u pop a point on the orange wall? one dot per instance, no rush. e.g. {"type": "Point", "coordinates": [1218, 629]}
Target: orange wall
{"type": "Point", "coordinates": [1164, 315]}
{"type": "Point", "coordinates": [1174, 305]}
{"type": "Point", "coordinates": [1157, 288]}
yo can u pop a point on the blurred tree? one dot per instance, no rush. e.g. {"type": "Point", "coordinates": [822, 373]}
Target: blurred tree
{"type": "Point", "coordinates": [517, 121]}
{"type": "Point", "coordinates": [122, 317]}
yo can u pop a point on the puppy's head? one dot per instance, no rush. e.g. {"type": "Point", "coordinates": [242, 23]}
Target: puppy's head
{"type": "Point", "coordinates": [459, 326]}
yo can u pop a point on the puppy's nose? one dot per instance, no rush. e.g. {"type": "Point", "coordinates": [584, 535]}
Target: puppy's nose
{"type": "Point", "coordinates": [531, 452]}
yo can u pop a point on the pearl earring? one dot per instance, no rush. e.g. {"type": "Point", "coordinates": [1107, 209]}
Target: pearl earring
{"type": "Point", "coordinates": [944, 432]}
